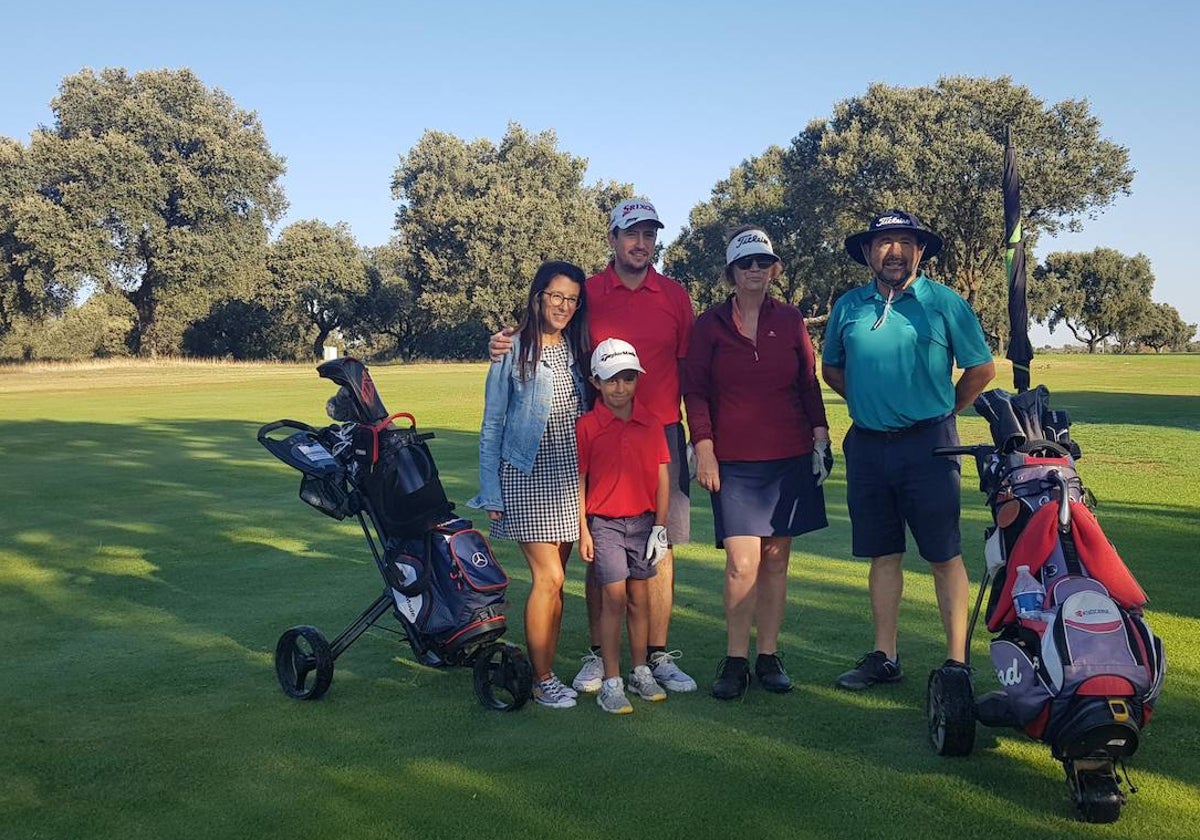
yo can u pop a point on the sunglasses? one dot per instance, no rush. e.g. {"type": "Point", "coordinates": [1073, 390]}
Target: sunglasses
{"type": "Point", "coordinates": [762, 261]}
{"type": "Point", "coordinates": [558, 299]}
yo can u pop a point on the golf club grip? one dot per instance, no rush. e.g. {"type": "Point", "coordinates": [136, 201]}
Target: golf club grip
{"type": "Point", "coordinates": [954, 450]}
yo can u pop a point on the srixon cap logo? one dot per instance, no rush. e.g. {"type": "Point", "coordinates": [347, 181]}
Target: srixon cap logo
{"type": "Point", "coordinates": [626, 209]}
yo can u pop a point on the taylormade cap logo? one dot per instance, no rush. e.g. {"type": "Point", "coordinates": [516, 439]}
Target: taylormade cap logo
{"type": "Point", "coordinates": [612, 356]}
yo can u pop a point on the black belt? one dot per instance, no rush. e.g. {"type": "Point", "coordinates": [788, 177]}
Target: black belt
{"type": "Point", "coordinates": [895, 433]}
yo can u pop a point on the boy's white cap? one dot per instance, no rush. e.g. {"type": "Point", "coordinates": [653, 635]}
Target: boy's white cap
{"type": "Point", "coordinates": [748, 243]}
{"type": "Point", "coordinates": [631, 211]}
{"type": "Point", "coordinates": [612, 356]}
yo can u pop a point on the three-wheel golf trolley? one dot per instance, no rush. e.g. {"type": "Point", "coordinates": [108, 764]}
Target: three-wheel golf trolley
{"type": "Point", "coordinates": [1082, 670]}
{"type": "Point", "coordinates": [442, 582]}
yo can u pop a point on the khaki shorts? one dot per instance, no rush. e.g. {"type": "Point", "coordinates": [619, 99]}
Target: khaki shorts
{"type": "Point", "coordinates": [679, 515]}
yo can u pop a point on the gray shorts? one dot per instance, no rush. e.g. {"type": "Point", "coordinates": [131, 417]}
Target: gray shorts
{"type": "Point", "coordinates": [679, 514]}
{"type": "Point", "coordinates": [620, 546]}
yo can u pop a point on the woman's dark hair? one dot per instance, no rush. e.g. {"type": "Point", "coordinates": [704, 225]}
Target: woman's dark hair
{"type": "Point", "coordinates": [530, 328]}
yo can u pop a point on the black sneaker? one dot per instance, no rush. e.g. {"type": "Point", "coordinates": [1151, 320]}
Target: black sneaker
{"type": "Point", "coordinates": [995, 709]}
{"type": "Point", "coordinates": [768, 670]}
{"type": "Point", "coordinates": [733, 676]}
{"type": "Point", "coordinates": [874, 667]}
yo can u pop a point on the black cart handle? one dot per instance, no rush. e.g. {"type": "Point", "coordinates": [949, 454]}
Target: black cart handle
{"type": "Point", "coordinates": [265, 431]}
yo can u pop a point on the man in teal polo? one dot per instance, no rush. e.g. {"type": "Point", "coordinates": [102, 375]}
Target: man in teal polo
{"type": "Point", "coordinates": [891, 347]}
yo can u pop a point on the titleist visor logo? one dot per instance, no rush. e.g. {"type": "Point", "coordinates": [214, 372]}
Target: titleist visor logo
{"type": "Point", "coordinates": [893, 220]}
{"type": "Point", "coordinates": [752, 236]}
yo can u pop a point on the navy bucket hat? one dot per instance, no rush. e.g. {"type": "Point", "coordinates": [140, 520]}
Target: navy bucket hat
{"type": "Point", "coordinates": [894, 220]}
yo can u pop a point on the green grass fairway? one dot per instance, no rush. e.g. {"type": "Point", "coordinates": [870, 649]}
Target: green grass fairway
{"type": "Point", "coordinates": [151, 552]}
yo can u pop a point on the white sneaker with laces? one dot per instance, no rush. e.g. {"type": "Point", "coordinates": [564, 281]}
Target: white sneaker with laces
{"type": "Point", "coordinates": [591, 675]}
{"type": "Point", "coordinates": [566, 689]}
{"type": "Point", "coordinates": [612, 697]}
{"type": "Point", "coordinates": [552, 694]}
{"type": "Point", "coordinates": [668, 674]}
{"type": "Point", "coordinates": [643, 684]}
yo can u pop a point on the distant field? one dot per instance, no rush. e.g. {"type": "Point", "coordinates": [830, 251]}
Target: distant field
{"type": "Point", "coordinates": [151, 553]}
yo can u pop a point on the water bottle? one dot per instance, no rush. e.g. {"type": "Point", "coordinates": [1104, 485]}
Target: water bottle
{"type": "Point", "coordinates": [1027, 593]}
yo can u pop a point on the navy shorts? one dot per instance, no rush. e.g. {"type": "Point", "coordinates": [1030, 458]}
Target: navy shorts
{"type": "Point", "coordinates": [777, 498]}
{"type": "Point", "coordinates": [893, 479]}
{"type": "Point", "coordinates": [679, 513]}
{"type": "Point", "coordinates": [620, 545]}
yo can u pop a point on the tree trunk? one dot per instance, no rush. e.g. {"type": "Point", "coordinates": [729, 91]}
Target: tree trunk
{"type": "Point", "coordinates": [319, 344]}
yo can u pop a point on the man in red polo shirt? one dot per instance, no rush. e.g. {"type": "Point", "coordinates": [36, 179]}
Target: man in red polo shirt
{"type": "Point", "coordinates": [631, 301]}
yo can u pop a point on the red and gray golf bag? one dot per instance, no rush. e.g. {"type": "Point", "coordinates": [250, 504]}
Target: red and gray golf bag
{"type": "Point", "coordinates": [1080, 671]}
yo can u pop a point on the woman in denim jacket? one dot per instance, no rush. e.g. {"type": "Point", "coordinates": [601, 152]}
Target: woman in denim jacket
{"type": "Point", "coordinates": [528, 468]}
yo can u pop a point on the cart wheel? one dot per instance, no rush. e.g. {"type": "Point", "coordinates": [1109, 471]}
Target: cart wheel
{"type": "Point", "coordinates": [1096, 793]}
{"type": "Point", "coordinates": [303, 663]}
{"type": "Point", "coordinates": [503, 677]}
{"type": "Point", "coordinates": [951, 708]}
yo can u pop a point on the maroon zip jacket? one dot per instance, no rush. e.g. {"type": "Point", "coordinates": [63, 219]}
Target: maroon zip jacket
{"type": "Point", "coordinates": [757, 402]}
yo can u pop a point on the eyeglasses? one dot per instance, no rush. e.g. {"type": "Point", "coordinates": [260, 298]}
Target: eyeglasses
{"type": "Point", "coordinates": [762, 261]}
{"type": "Point", "coordinates": [559, 299]}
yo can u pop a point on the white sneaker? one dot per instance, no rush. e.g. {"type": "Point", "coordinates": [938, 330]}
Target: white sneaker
{"type": "Point", "coordinates": [612, 697]}
{"type": "Point", "coordinates": [566, 689]}
{"type": "Point", "coordinates": [591, 675]}
{"type": "Point", "coordinates": [668, 674]}
{"type": "Point", "coordinates": [552, 694]}
{"type": "Point", "coordinates": [643, 684]}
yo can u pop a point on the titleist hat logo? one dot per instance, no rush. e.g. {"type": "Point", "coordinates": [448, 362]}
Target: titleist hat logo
{"type": "Point", "coordinates": [931, 243]}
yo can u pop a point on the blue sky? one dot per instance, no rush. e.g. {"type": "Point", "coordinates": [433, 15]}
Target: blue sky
{"type": "Point", "coordinates": [668, 96]}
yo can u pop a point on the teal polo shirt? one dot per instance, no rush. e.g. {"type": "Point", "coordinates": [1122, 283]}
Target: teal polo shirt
{"type": "Point", "coordinates": [901, 371]}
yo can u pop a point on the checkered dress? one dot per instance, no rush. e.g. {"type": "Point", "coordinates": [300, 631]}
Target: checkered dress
{"type": "Point", "coordinates": [544, 505]}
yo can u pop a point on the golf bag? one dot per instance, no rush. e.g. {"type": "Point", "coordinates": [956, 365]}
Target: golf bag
{"type": "Point", "coordinates": [1081, 672]}
{"type": "Point", "coordinates": [442, 582]}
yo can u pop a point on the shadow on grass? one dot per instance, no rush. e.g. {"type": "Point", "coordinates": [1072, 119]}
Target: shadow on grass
{"type": "Point", "coordinates": [147, 572]}
{"type": "Point", "coordinates": [1179, 411]}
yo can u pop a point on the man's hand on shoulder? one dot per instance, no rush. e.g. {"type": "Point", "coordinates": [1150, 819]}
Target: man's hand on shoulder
{"type": "Point", "coordinates": [501, 344]}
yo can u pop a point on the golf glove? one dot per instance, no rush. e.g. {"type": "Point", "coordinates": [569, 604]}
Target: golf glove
{"type": "Point", "coordinates": [656, 545]}
{"type": "Point", "coordinates": [822, 461]}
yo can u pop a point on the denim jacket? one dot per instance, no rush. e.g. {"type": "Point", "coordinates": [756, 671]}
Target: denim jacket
{"type": "Point", "coordinates": [515, 414]}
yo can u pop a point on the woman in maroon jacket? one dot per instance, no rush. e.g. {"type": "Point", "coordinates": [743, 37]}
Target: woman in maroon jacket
{"type": "Point", "coordinates": [758, 425]}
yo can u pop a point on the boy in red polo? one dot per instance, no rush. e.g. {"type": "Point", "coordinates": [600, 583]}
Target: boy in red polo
{"type": "Point", "coordinates": [624, 493]}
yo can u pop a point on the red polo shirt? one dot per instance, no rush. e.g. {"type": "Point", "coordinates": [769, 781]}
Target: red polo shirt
{"type": "Point", "coordinates": [656, 318]}
{"type": "Point", "coordinates": [619, 459]}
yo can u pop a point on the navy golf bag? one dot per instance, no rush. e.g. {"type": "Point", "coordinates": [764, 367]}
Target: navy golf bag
{"type": "Point", "coordinates": [442, 582]}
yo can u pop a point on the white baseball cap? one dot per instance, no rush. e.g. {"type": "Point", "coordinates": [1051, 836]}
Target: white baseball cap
{"type": "Point", "coordinates": [612, 356]}
{"type": "Point", "coordinates": [748, 243]}
{"type": "Point", "coordinates": [631, 211]}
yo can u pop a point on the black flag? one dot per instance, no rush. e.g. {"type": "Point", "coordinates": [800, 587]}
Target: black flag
{"type": "Point", "coordinates": [1020, 351]}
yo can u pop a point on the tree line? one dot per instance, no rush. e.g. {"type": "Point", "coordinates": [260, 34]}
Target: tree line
{"type": "Point", "coordinates": [140, 223]}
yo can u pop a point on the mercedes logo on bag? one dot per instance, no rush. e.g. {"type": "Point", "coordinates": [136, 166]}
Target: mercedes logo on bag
{"type": "Point", "coordinates": [479, 559]}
